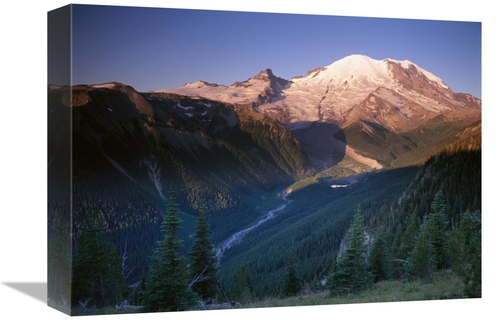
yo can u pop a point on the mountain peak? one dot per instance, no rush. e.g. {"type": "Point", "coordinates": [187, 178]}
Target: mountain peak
{"type": "Point", "coordinates": [267, 72]}
{"type": "Point", "coordinates": [354, 60]}
{"type": "Point", "coordinates": [357, 57]}
{"type": "Point", "coordinates": [268, 75]}
{"type": "Point", "coordinates": [199, 84]}
{"type": "Point", "coordinates": [356, 64]}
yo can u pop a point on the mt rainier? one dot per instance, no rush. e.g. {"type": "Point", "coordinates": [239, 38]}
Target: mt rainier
{"type": "Point", "coordinates": [352, 105]}
{"type": "Point", "coordinates": [355, 87]}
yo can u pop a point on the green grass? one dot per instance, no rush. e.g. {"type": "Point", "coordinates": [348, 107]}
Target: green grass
{"type": "Point", "coordinates": [445, 285]}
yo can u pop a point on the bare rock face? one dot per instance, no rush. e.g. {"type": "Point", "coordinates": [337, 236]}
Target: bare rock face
{"type": "Point", "coordinates": [273, 86]}
{"type": "Point", "coordinates": [411, 79]}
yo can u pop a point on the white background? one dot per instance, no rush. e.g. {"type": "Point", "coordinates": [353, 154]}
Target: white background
{"type": "Point", "coordinates": [23, 155]}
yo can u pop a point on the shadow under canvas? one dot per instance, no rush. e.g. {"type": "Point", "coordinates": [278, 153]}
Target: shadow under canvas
{"type": "Point", "coordinates": [37, 290]}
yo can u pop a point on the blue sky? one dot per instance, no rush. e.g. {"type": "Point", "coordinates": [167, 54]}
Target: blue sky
{"type": "Point", "coordinates": [152, 49]}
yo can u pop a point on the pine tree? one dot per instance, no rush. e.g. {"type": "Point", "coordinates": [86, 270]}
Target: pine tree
{"type": "Point", "coordinates": [203, 261]}
{"type": "Point", "coordinates": [441, 239]}
{"type": "Point", "coordinates": [351, 274]}
{"type": "Point", "coordinates": [242, 290]}
{"type": "Point", "coordinates": [421, 260]}
{"type": "Point", "coordinates": [404, 245]}
{"type": "Point", "coordinates": [292, 282]}
{"type": "Point", "coordinates": [466, 251]}
{"type": "Point", "coordinates": [167, 287]}
{"type": "Point", "coordinates": [408, 238]}
{"type": "Point", "coordinates": [431, 250]}
{"type": "Point", "coordinates": [379, 257]}
{"type": "Point", "coordinates": [59, 263]}
{"type": "Point", "coordinates": [97, 276]}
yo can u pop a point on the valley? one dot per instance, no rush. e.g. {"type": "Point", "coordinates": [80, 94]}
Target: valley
{"type": "Point", "coordinates": [280, 166]}
{"type": "Point", "coordinates": [226, 245]}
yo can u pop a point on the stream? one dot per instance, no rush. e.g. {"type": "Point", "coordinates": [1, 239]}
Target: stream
{"type": "Point", "coordinates": [240, 234]}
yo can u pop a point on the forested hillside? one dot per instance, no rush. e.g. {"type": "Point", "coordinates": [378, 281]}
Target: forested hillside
{"type": "Point", "coordinates": [315, 223]}
{"type": "Point", "coordinates": [441, 211]}
{"type": "Point", "coordinates": [443, 195]}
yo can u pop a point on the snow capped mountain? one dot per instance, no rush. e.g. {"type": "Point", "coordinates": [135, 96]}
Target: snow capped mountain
{"type": "Point", "coordinates": [377, 112]}
{"type": "Point", "coordinates": [337, 89]}
{"type": "Point", "coordinates": [355, 87]}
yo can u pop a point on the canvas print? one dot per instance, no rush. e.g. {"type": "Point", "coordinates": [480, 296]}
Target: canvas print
{"type": "Point", "coordinates": [204, 159]}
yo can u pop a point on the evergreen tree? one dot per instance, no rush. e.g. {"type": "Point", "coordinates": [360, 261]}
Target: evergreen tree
{"type": "Point", "coordinates": [351, 273]}
{"type": "Point", "coordinates": [167, 287]}
{"type": "Point", "coordinates": [431, 251]}
{"type": "Point", "coordinates": [242, 286]}
{"type": "Point", "coordinates": [404, 245]}
{"type": "Point", "coordinates": [466, 251]}
{"type": "Point", "coordinates": [421, 263]}
{"type": "Point", "coordinates": [379, 257]}
{"type": "Point", "coordinates": [292, 282]}
{"type": "Point", "coordinates": [97, 276]}
{"type": "Point", "coordinates": [203, 261]}
{"type": "Point", "coordinates": [59, 263]}
{"type": "Point", "coordinates": [408, 238]}
{"type": "Point", "coordinates": [441, 239]}
{"type": "Point", "coordinates": [458, 250]}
